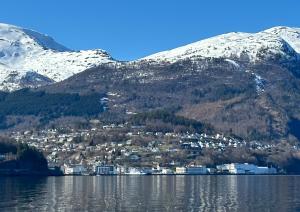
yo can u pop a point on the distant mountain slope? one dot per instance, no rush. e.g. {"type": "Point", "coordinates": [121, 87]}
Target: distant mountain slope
{"type": "Point", "coordinates": [246, 84]}
{"type": "Point", "coordinates": [23, 52]}
{"type": "Point", "coordinates": [255, 101]}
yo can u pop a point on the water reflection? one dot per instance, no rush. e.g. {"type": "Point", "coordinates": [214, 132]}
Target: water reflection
{"type": "Point", "coordinates": [151, 193]}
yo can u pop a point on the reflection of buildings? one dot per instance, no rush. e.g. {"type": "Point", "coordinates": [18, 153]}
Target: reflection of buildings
{"type": "Point", "coordinates": [206, 193]}
{"type": "Point", "coordinates": [153, 193]}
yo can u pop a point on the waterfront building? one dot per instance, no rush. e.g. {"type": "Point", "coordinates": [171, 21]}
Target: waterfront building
{"type": "Point", "coordinates": [134, 171]}
{"type": "Point", "coordinates": [196, 170]}
{"type": "Point", "coordinates": [74, 169]}
{"type": "Point", "coordinates": [180, 170]}
{"type": "Point", "coordinates": [166, 171]}
{"type": "Point", "coordinates": [105, 170]}
{"type": "Point", "coordinates": [245, 168]}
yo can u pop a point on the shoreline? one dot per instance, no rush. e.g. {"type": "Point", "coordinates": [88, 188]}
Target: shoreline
{"type": "Point", "coordinates": [134, 175]}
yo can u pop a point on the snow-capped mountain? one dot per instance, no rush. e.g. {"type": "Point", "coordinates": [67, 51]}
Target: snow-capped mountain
{"type": "Point", "coordinates": [272, 43]}
{"type": "Point", "coordinates": [26, 54]}
{"type": "Point", "coordinates": [31, 59]}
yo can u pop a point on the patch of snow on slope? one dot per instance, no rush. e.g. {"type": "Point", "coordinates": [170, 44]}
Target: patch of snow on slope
{"type": "Point", "coordinates": [233, 63]}
{"type": "Point", "coordinates": [260, 87]}
{"type": "Point", "coordinates": [62, 65]}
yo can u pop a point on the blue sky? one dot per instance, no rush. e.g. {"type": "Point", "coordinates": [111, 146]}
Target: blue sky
{"type": "Point", "coordinates": [130, 29]}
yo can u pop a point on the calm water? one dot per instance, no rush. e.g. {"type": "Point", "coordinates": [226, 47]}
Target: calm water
{"type": "Point", "coordinates": [151, 193]}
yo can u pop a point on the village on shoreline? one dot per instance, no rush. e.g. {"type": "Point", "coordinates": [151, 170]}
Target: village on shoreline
{"type": "Point", "coordinates": [123, 149]}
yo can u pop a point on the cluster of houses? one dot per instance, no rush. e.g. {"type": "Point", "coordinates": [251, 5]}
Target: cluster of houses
{"type": "Point", "coordinates": [59, 143]}
{"type": "Point", "coordinates": [217, 141]}
{"type": "Point", "coordinates": [65, 147]}
{"type": "Point", "coordinates": [56, 142]}
{"type": "Point", "coordinates": [233, 168]}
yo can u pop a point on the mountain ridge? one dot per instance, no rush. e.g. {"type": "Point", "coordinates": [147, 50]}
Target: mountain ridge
{"type": "Point", "coordinates": [25, 51]}
{"type": "Point", "coordinates": [234, 44]}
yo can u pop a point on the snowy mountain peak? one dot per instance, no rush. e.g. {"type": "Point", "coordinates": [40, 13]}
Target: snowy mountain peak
{"type": "Point", "coordinates": [279, 41]}
{"type": "Point", "coordinates": [290, 35]}
{"type": "Point", "coordinates": [21, 37]}
{"type": "Point", "coordinates": [24, 51]}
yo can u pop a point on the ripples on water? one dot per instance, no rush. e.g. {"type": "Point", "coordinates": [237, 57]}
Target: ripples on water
{"type": "Point", "coordinates": [151, 193]}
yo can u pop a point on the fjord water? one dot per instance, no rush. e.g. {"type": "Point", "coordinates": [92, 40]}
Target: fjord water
{"type": "Point", "coordinates": [151, 193]}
